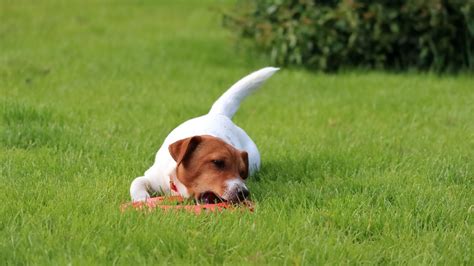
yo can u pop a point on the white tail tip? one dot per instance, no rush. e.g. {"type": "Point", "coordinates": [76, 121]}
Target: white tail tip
{"type": "Point", "coordinates": [229, 102]}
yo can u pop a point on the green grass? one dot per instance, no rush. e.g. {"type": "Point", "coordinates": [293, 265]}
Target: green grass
{"type": "Point", "coordinates": [358, 167]}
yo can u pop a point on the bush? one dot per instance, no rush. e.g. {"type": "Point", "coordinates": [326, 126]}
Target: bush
{"type": "Point", "coordinates": [390, 34]}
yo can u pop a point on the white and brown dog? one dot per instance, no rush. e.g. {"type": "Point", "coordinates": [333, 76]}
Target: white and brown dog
{"type": "Point", "coordinates": [206, 158]}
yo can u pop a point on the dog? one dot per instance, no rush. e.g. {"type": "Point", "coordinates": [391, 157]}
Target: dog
{"type": "Point", "coordinates": [207, 158]}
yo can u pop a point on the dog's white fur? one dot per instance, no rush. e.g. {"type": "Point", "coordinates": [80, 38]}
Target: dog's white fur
{"type": "Point", "coordinates": [216, 123]}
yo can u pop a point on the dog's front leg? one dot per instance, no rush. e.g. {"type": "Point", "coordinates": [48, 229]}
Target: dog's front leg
{"type": "Point", "coordinates": [139, 189]}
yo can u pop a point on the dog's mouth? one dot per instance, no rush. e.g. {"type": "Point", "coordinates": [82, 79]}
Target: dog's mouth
{"type": "Point", "coordinates": [209, 197]}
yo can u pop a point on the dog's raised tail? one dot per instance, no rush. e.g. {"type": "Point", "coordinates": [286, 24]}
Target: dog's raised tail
{"type": "Point", "coordinates": [229, 102]}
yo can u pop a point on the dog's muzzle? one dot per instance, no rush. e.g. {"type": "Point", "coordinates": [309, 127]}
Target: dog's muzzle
{"type": "Point", "coordinates": [237, 195]}
{"type": "Point", "coordinates": [241, 194]}
{"type": "Point", "coordinates": [209, 197]}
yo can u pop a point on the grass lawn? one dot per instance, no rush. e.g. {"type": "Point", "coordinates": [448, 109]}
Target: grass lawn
{"type": "Point", "coordinates": [358, 167]}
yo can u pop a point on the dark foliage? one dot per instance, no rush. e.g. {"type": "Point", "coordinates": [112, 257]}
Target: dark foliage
{"type": "Point", "coordinates": [330, 34]}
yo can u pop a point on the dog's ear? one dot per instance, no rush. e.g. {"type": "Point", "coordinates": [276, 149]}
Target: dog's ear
{"type": "Point", "coordinates": [182, 149]}
{"type": "Point", "coordinates": [245, 158]}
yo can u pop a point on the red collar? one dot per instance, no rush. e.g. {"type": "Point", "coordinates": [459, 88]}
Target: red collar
{"type": "Point", "coordinates": [173, 187]}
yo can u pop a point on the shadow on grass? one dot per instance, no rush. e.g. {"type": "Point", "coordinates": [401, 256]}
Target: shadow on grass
{"type": "Point", "coordinates": [309, 167]}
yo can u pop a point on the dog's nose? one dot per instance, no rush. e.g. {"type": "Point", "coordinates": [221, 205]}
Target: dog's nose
{"type": "Point", "coordinates": [242, 194]}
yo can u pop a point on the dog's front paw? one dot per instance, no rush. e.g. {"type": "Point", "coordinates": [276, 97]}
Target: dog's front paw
{"type": "Point", "coordinates": [138, 189]}
{"type": "Point", "coordinates": [140, 196]}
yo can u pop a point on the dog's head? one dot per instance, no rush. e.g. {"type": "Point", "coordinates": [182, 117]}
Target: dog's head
{"type": "Point", "coordinates": [209, 167]}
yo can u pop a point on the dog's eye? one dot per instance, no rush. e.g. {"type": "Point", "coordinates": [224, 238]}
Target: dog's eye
{"type": "Point", "coordinates": [220, 164]}
{"type": "Point", "coordinates": [243, 175]}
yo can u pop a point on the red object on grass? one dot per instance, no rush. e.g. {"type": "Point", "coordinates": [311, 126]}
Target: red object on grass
{"type": "Point", "coordinates": [157, 202]}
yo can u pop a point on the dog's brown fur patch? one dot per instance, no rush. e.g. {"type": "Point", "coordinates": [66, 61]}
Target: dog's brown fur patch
{"type": "Point", "coordinates": [205, 163]}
